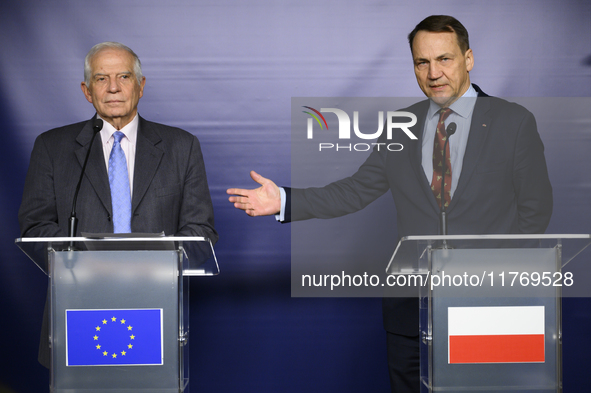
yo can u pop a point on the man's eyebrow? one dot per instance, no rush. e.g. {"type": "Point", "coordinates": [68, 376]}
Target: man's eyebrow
{"type": "Point", "coordinates": [419, 59]}
{"type": "Point", "coordinates": [118, 73]}
{"type": "Point", "coordinates": [450, 55]}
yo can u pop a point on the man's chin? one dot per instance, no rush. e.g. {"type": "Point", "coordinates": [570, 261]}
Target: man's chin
{"type": "Point", "coordinates": [443, 101]}
{"type": "Point", "coordinates": [113, 115]}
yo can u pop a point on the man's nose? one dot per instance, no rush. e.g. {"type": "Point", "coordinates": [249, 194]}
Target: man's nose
{"type": "Point", "coordinates": [114, 85]}
{"type": "Point", "coordinates": [434, 71]}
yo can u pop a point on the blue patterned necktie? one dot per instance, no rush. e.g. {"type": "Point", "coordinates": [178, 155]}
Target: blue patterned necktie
{"type": "Point", "coordinates": [119, 182]}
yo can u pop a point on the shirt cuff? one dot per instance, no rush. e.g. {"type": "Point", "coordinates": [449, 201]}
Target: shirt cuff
{"type": "Point", "coordinates": [281, 216]}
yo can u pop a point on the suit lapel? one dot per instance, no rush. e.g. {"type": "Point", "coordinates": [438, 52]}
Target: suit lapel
{"type": "Point", "coordinates": [479, 128]}
{"type": "Point", "coordinates": [96, 171]}
{"type": "Point", "coordinates": [147, 160]}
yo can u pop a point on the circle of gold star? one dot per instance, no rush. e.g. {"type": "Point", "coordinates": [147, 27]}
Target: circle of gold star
{"type": "Point", "coordinates": [112, 354]}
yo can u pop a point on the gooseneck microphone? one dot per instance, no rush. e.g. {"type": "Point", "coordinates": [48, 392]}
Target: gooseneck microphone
{"type": "Point", "coordinates": [449, 131]}
{"type": "Point", "coordinates": [97, 125]}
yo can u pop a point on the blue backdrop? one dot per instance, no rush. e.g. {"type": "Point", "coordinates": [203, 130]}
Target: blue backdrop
{"type": "Point", "coordinates": [226, 71]}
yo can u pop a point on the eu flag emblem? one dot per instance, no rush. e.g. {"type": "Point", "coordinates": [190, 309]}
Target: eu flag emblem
{"type": "Point", "coordinates": [114, 337]}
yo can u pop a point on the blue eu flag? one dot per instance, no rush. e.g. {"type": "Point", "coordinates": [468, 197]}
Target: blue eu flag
{"type": "Point", "coordinates": [114, 337]}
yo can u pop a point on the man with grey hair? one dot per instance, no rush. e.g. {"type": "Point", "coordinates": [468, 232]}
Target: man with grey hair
{"type": "Point", "coordinates": [137, 65]}
{"type": "Point", "coordinates": [140, 176]}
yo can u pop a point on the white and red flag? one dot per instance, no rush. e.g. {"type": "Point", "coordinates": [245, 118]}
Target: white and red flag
{"type": "Point", "coordinates": [496, 334]}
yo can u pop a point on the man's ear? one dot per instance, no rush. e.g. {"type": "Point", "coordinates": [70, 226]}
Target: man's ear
{"type": "Point", "coordinates": [86, 92]}
{"type": "Point", "coordinates": [142, 84]}
{"type": "Point", "coordinates": [469, 56]}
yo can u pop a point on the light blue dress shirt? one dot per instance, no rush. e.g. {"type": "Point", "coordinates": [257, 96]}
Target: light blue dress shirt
{"type": "Point", "coordinates": [462, 116]}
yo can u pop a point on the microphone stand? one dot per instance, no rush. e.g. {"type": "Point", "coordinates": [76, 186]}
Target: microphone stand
{"type": "Point", "coordinates": [449, 131]}
{"type": "Point", "coordinates": [97, 125]}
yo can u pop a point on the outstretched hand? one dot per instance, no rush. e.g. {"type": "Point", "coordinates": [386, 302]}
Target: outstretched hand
{"type": "Point", "coordinates": [262, 201]}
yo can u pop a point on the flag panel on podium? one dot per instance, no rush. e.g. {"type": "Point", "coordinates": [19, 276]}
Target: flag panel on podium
{"type": "Point", "coordinates": [496, 334]}
{"type": "Point", "coordinates": [117, 337]}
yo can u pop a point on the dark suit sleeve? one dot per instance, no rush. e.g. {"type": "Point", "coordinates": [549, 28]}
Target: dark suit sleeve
{"type": "Point", "coordinates": [196, 210]}
{"type": "Point", "coordinates": [344, 196]}
{"type": "Point", "coordinates": [38, 216]}
{"type": "Point", "coordinates": [530, 179]}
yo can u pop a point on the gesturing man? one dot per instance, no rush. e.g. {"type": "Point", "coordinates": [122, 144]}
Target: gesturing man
{"type": "Point", "coordinates": [499, 180]}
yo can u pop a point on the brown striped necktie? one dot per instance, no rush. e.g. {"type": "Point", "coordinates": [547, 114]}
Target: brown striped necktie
{"type": "Point", "coordinates": [440, 137]}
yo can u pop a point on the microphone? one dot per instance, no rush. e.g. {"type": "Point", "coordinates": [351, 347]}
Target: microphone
{"type": "Point", "coordinates": [449, 131]}
{"type": "Point", "coordinates": [97, 125]}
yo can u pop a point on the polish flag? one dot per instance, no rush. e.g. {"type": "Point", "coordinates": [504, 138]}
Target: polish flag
{"type": "Point", "coordinates": [496, 334]}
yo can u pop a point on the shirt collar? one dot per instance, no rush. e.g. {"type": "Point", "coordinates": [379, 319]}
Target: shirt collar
{"type": "Point", "coordinates": [130, 130]}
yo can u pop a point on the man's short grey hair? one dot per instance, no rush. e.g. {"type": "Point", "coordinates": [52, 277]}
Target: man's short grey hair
{"type": "Point", "coordinates": [137, 66]}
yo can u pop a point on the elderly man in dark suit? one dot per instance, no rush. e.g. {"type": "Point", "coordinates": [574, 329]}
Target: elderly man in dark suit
{"type": "Point", "coordinates": [168, 187]}
{"type": "Point", "coordinates": [499, 180]}
{"type": "Point", "coordinates": [161, 170]}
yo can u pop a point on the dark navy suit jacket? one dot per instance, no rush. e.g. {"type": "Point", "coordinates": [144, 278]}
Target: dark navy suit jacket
{"type": "Point", "coordinates": [170, 191]}
{"type": "Point", "coordinates": [503, 188]}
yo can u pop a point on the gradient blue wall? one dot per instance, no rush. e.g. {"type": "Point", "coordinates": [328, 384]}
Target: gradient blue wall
{"type": "Point", "coordinates": [226, 71]}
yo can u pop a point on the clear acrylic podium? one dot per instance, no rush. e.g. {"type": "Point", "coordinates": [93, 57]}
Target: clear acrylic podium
{"type": "Point", "coordinates": [119, 315]}
{"type": "Point", "coordinates": [490, 308]}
